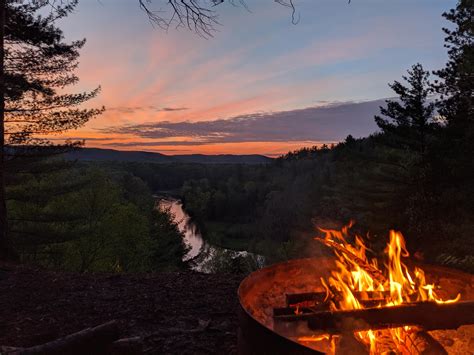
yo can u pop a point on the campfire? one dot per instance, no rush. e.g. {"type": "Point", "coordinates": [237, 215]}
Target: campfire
{"type": "Point", "coordinates": [353, 304]}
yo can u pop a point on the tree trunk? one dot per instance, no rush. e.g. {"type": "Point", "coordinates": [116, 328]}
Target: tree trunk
{"type": "Point", "coordinates": [5, 245]}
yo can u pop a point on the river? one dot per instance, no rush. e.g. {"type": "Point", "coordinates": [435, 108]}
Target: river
{"type": "Point", "coordinates": [201, 255]}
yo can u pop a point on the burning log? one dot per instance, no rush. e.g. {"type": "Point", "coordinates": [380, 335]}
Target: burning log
{"type": "Point", "coordinates": [420, 342]}
{"type": "Point", "coordinates": [374, 272]}
{"type": "Point", "coordinates": [367, 297]}
{"type": "Point", "coordinates": [289, 311]}
{"type": "Point", "coordinates": [265, 289]}
{"type": "Point", "coordinates": [308, 308]}
{"type": "Point", "coordinates": [428, 315]}
{"type": "Point", "coordinates": [349, 314]}
{"type": "Point", "coordinates": [348, 344]}
{"type": "Point", "coordinates": [295, 298]}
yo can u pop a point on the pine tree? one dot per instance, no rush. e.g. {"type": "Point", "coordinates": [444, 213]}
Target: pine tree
{"type": "Point", "coordinates": [402, 160]}
{"type": "Point", "coordinates": [456, 88]}
{"type": "Point", "coordinates": [409, 120]}
{"type": "Point", "coordinates": [454, 163]}
{"type": "Point", "coordinates": [37, 67]}
{"type": "Point", "coordinates": [456, 95]}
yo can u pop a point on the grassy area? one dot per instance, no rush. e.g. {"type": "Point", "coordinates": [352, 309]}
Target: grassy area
{"type": "Point", "coordinates": [229, 235]}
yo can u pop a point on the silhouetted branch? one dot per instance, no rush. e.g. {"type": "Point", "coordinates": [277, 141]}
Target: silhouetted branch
{"type": "Point", "coordinates": [291, 5]}
{"type": "Point", "coordinates": [185, 13]}
{"type": "Point", "coordinates": [198, 17]}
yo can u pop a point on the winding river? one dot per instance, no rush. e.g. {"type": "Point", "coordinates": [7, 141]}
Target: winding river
{"type": "Point", "coordinates": [201, 255]}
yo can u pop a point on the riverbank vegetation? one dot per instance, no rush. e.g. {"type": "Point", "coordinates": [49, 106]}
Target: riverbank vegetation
{"type": "Point", "coordinates": [52, 212]}
{"type": "Point", "coordinates": [84, 218]}
{"type": "Point", "coordinates": [415, 175]}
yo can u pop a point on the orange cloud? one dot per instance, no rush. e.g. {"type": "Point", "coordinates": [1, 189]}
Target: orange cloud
{"type": "Point", "coordinates": [143, 71]}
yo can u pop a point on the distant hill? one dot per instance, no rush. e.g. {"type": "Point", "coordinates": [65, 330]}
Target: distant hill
{"type": "Point", "coordinates": [96, 154]}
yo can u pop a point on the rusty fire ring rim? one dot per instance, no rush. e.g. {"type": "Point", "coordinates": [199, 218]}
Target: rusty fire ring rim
{"type": "Point", "coordinates": [430, 268]}
{"type": "Point", "coordinates": [270, 268]}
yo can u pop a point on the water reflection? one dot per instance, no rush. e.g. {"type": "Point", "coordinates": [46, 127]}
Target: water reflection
{"type": "Point", "coordinates": [191, 235]}
{"type": "Point", "coordinates": [202, 256]}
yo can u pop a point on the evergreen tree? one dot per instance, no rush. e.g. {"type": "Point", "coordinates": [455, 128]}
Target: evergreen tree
{"type": "Point", "coordinates": [409, 120]}
{"type": "Point", "coordinates": [454, 166]}
{"type": "Point", "coordinates": [402, 156]}
{"type": "Point", "coordinates": [456, 88]}
{"type": "Point", "coordinates": [456, 96]}
{"type": "Point", "coordinates": [37, 66]}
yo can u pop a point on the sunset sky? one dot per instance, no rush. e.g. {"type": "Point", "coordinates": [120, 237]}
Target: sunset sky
{"type": "Point", "coordinates": [261, 85]}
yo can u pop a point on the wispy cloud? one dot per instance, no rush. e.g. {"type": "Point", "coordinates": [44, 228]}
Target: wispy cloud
{"type": "Point", "coordinates": [170, 109]}
{"type": "Point", "coordinates": [332, 122]}
{"type": "Point", "coordinates": [134, 109]}
{"type": "Point", "coordinates": [169, 91]}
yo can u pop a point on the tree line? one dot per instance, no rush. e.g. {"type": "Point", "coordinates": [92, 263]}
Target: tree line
{"type": "Point", "coordinates": [61, 214]}
{"type": "Point", "coordinates": [85, 218]}
{"type": "Point", "coordinates": [36, 67]}
{"type": "Point", "coordinates": [415, 175]}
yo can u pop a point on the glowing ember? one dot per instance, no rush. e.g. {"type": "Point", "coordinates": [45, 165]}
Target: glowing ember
{"type": "Point", "coordinates": [393, 284]}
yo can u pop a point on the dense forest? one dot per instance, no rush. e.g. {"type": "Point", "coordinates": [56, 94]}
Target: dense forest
{"type": "Point", "coordinates": [105, 251]}
{"type": "Point", "coordinates": [83, 218]}
{"type": "Point", "coordinates": [53, 212]}
{"type": "Point", "coordinates": [415, 175]}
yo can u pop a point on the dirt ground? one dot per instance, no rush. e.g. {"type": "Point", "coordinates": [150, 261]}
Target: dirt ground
{"type": "Point", "coordinates": [175, 313]}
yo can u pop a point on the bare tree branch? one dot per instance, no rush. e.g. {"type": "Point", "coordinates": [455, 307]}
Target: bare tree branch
{"type": "Point", "coordinates": [184, 13]}
{"type": "Point", "coordinates": [198, 15]}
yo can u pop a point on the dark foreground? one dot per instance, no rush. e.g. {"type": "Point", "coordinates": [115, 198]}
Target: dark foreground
{"type": "Point", "coordinates": [174, 313]}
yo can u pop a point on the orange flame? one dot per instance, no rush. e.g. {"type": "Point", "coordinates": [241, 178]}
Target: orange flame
{"type": "Point", "coordinates": [356, 274]}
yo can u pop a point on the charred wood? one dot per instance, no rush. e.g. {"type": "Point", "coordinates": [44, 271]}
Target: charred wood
{"type": "Point", "coordinates": [308, 308]}
{"type": "Point", "coordinates": [428, 315]}
{"type": "Point", "coordinates": [420, 342]}
{"type": "Point", "coordinates": [319, 297]}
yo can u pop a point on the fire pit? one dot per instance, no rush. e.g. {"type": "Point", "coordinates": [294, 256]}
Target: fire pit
{"type": "Point", "coordinates": [291, 308]}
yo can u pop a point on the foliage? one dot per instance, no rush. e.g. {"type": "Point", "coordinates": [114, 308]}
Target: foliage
{"type": "Point", "coordinates": [415, 175]}
{"type": "Point", "coordinates": [456, 85]}
{"type": "Point", "coordinates": [87, 219]}
{"type": "Point", "coordinates": [38, 66]}
{"type": "Point", "coordinates": [409, 121]}
{"type": "Point", "coordinates": [167, 250]}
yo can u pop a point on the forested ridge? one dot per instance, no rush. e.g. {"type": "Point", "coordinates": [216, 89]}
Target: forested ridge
{"type": "Point", "coordinates": [414, 175]}
{"type": "Point", "coordinates": [89, 219]}
{"type": "Point", "coordinates": [85, 241]}
{"type": "Point", "coordinates": [54, 212]}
